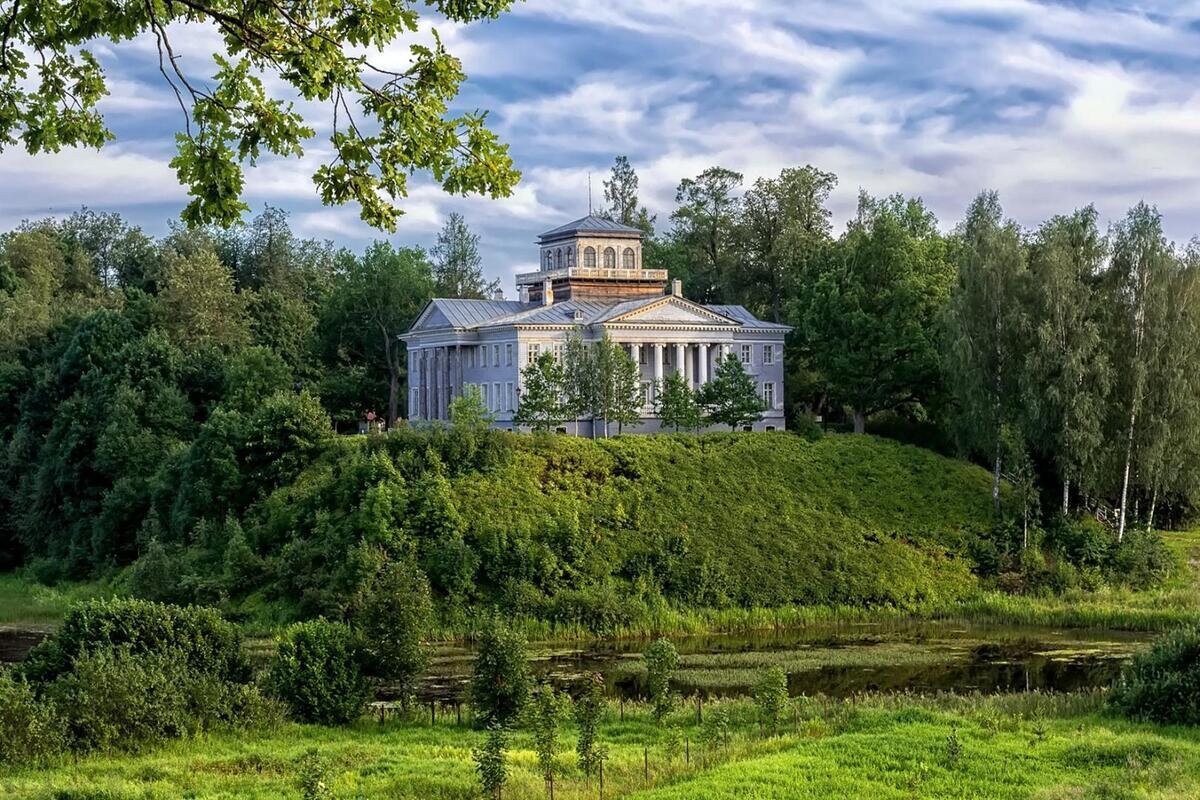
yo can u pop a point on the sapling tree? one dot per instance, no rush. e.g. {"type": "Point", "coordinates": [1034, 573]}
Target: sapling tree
{"type": "Point", "coordinates": [491, 761]}
{"type": "Point", "coordinates": [771, 697]}
{"type": "Point", "coordinates": [661, 661]}
{"type": "Point", "coordinates": [500, 680]}
{"type": "Point", "coordinates": [731, 398]}
{"type": "Point", "coordinates": [540, 405]}
{"type": "Point", "coordinates": [547, 713]}
{"type": "Point", "coordinates": [675, 404]}
{"type": "Point", "coordinates": [392, 613]}
{"type": "Point", "coordinates": [588, 708]}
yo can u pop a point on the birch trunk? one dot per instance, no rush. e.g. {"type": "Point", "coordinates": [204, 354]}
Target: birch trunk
{"type": "Point", "coordinates": [1066, 507]}
{"type": "Point", "coordinates": [1125, 478]}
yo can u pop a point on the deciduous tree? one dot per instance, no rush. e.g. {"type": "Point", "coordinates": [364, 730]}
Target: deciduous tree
{"type": "Point", "coordinates": [731, 398]}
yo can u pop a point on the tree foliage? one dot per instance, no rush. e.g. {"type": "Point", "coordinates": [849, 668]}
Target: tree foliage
{"type": "Point", "coordinates": [387, 123]}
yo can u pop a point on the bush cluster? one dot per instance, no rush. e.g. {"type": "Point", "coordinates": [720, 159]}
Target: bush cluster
{"type": "Point", "coordinates": [122, 674]}
{"type": "Point", "coordinates": [317, 672]}
{"type": "Point", "coordinates": [1162, 684]}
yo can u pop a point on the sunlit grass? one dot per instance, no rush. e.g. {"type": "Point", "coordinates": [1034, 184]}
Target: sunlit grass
{"type": "Point", "coordinates": [26, 603]}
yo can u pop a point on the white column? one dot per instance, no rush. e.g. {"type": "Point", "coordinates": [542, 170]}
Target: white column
{"type": "Point", "coordinates": [702, 378]}
{"type": "Point", "coordinates": [658, 368]}
{"type": "Point", "coordinates": [679, 351]}
{"type": "Point", "coordinates": [414, 383]}
{"type": "Point", "coordinates": [689, 370]}
{"type": "Point", "coordinates": [635, 352]}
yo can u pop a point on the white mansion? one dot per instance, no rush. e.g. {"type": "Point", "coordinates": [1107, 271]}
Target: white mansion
{"type": "Point", "coordinates": [590, 279]}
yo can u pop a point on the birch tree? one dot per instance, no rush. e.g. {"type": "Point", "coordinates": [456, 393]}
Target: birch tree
{"type": "Point", "coordinates": [1066, 378]}
{"type": "Point", "coordinates": [983, 319]}
{"type": "Point", "coordinates": [1138, 279]}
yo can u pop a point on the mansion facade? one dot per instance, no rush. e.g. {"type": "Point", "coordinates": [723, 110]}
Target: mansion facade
{"type": "Point", "coordinates": [590, 279]}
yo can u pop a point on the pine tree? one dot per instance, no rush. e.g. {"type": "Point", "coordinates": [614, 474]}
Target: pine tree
{"type": "Point", "coordinates": [621, 195]}
{"type": "Point", "coordinates": [675, 404]}
{"type": "Point", "coordinates": [457, 269]}
{"type": "Point", "coordinates": [731, 398]}
{"type": "Point", "coordinates": [540, 405]}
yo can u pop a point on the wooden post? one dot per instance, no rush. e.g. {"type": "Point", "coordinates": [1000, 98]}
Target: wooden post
{"type": "Point", "coordinates": [432, 712]}
{"type": "Point", "coordinates": [646, 763]}
{"type": "Point", "coordinates": [458, 711]}
{"type": "Point", "coordinates": [621, 703]}
{"type": "Point", "coordinates": [602, 779]}
{"type": "Point", "coordinates": [687, 751]}
{"type": "Point", "coordinates": [699, 709]}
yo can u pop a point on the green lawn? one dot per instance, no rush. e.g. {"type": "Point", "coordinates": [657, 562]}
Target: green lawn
{"type": "Point", "coordinates": [884, 747]}
{"type": "Point", "coordinates": [27, 604]}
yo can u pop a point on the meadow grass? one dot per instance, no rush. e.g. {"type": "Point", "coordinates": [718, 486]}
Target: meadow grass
{"type": "Point", "coordinates": [27, 604]}
{"type": "Point", "coordinates": [1025, 745]}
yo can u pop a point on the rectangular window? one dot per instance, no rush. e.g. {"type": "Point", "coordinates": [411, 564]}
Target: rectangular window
{"type": "Point", "coordinates": [495, 355]}
{"type": "Point", "coordinates": [535, 350]}
{"type": "Point", "coordinates": [508, 394]}
{"type": "Point", "coordinates": [483, 355]}
{"type": "Point", "coordinates": [668, 355]}
{"type": "Point", "coordinates": [558, 353]}
{"type": "Point", "coordinates": [642, 354]}
{"type": "Point", "coordinates": [483, 395]}
{"type": "Point", "coordinates": [769, 395]}
{"type": "Point", "coordinates": [747, 354]}
{"type": "Point", "coordinates": [768, 354]}
{"type": "Point", "coordinates": [645, 393]}
{"type": "Point", "coordinates": [496, 398]}
{"type": "Point", "coordinates": [508, 354]}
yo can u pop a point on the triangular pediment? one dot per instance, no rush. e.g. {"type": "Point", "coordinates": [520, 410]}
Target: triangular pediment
{"type": "Point", "coordinates": [673, 311]}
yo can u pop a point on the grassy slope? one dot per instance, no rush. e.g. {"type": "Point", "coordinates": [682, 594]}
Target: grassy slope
{"type": "Point", "coordinates": [26, 604]}
{"type": "Point", "coordinates": [1019, 746]}
{"type": "Point", "coordinates": [842, 520]}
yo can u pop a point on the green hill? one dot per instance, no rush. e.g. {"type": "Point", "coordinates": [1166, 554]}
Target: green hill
{"type": "Point", "coordinates": [596, 532]}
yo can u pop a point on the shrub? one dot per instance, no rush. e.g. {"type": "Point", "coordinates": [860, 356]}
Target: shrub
{"type": "Point", "coordinates": [661, 660]}
{"type": "Point", "coordinates": [1084, 542]}
{"type": "Point", "coordinates": [500, 681]}
{"type": "Point", "coordinates": [392, 614]}
{"type": "Point", "coordinates": [31, 731]}
{"type": "Point", "coordinates": [1141, 560]}
{"type": "Point", "coordinates": [117, 699]}
{"type": "Point", "coordinates": [1162, 684]}
{"type": "Point", "coordinates": [203, 641]}
{"type": "Point", "coordinates": [547, 711]}
{"type": "Point", "coordinates": [158, 574]}
{"type": "Point", "coordinates": [317, 673]}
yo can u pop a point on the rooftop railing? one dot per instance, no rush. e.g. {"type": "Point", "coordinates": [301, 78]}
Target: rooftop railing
{"type": "Point", "coordinates": [594, 273]}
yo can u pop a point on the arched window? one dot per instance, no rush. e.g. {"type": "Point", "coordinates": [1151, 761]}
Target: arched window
{"type": "Point", "coordinates": [558, 258]}
{"type": "Point", "coordinates": [627, 258]}
{"type": "Point", "coordinates": [570, 256]}
{"type": "Point", "coordinates": [589, 257]}
{"type": "Point", "coordinates": [610, 258]}
{"type": "Point", "coordinates": [549, 260]}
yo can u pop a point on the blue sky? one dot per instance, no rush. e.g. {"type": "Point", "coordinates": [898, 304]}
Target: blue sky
{"type": "Point", "coordinates": [1053, 104]}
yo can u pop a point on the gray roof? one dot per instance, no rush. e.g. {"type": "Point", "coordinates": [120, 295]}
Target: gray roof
{"type": "Point", "coordinates": [494, 313]}
{"type": "Point", "coordinates": [592, 224]}
{"type": "Point", "coordinates": [470, 313]}
{"type": "Point", "coordinates": [742, 315]}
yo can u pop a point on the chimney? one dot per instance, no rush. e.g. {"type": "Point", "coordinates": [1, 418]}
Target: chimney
{"type": "Point", "coordinates": [676, 287]}
{"type": "Point", "coordinates": [547, 292]}
{"type": "Point", "coordinates": [498, 294]}
{"type": "Point", "coordinates": [524, 294]}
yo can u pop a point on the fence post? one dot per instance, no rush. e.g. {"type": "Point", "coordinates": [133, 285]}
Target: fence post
{"type": "Point", "coordinates": [646, 763]}
{"type": "Point", "coordinates": [687, 751]}
{"type": "Point", "coordinates": [433, 712]}
{"type": "Point", "coordinates": [601, 779]}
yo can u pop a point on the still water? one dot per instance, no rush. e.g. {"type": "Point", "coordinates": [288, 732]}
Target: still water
{"type": "Point", "coordinates": [831, 659]}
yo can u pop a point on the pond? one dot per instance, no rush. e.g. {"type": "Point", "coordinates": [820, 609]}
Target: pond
{"type": "Point", "coordinates": [832, 659]}
{"type": "Point", "coordinates": [839, 660]}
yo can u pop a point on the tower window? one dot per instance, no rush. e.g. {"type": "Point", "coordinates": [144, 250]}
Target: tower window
{"type": "Point", "coordinates": [558, 257]}
{"type": "Point", "coordinates": [570, 256]}
{"type": "Point", "coordinates": [610, 258]}
{"type": "Point", "coordinates": [549, 260]}
{"type": "Point", "coordinates": [627, 258]}
{"type": "Point", "coordinates": [589, 257]}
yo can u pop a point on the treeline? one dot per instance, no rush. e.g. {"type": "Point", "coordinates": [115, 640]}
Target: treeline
{"type": "Point", "coordinates": [1066, 358]}
{"type": "Point", "coordinates": [125, 361]}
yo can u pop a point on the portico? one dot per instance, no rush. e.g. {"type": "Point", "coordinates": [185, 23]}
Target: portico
{"type": "Point", "coordinates": [484, 344]}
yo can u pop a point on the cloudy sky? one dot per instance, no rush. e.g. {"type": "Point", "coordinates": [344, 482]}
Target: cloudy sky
{"type": "Point", "coordinates": [1053, 104]}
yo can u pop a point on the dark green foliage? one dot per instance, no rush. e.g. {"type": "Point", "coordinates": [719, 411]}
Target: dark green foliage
{"type": "Point", "coordinates": [313, 777]}
{"type": "Point", "coordinates": [661, 660]}
{"type": "Point", "coordinates": [675, 404]}
{"type": "Point", "coordinates": [392, 613]}
{"type": "Point", "coordinates": [500, 680]}
{"type": "Point", "coordinates": [1141, 560]}
{"type": "Point", "coordinates": [1162, 684]}
{"type": "Point", "coordinates": [491, 761]}
{"type": "Point", "coordinates": [317, 673]}
{"type": "Point", "coordinates": [203, 641]}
